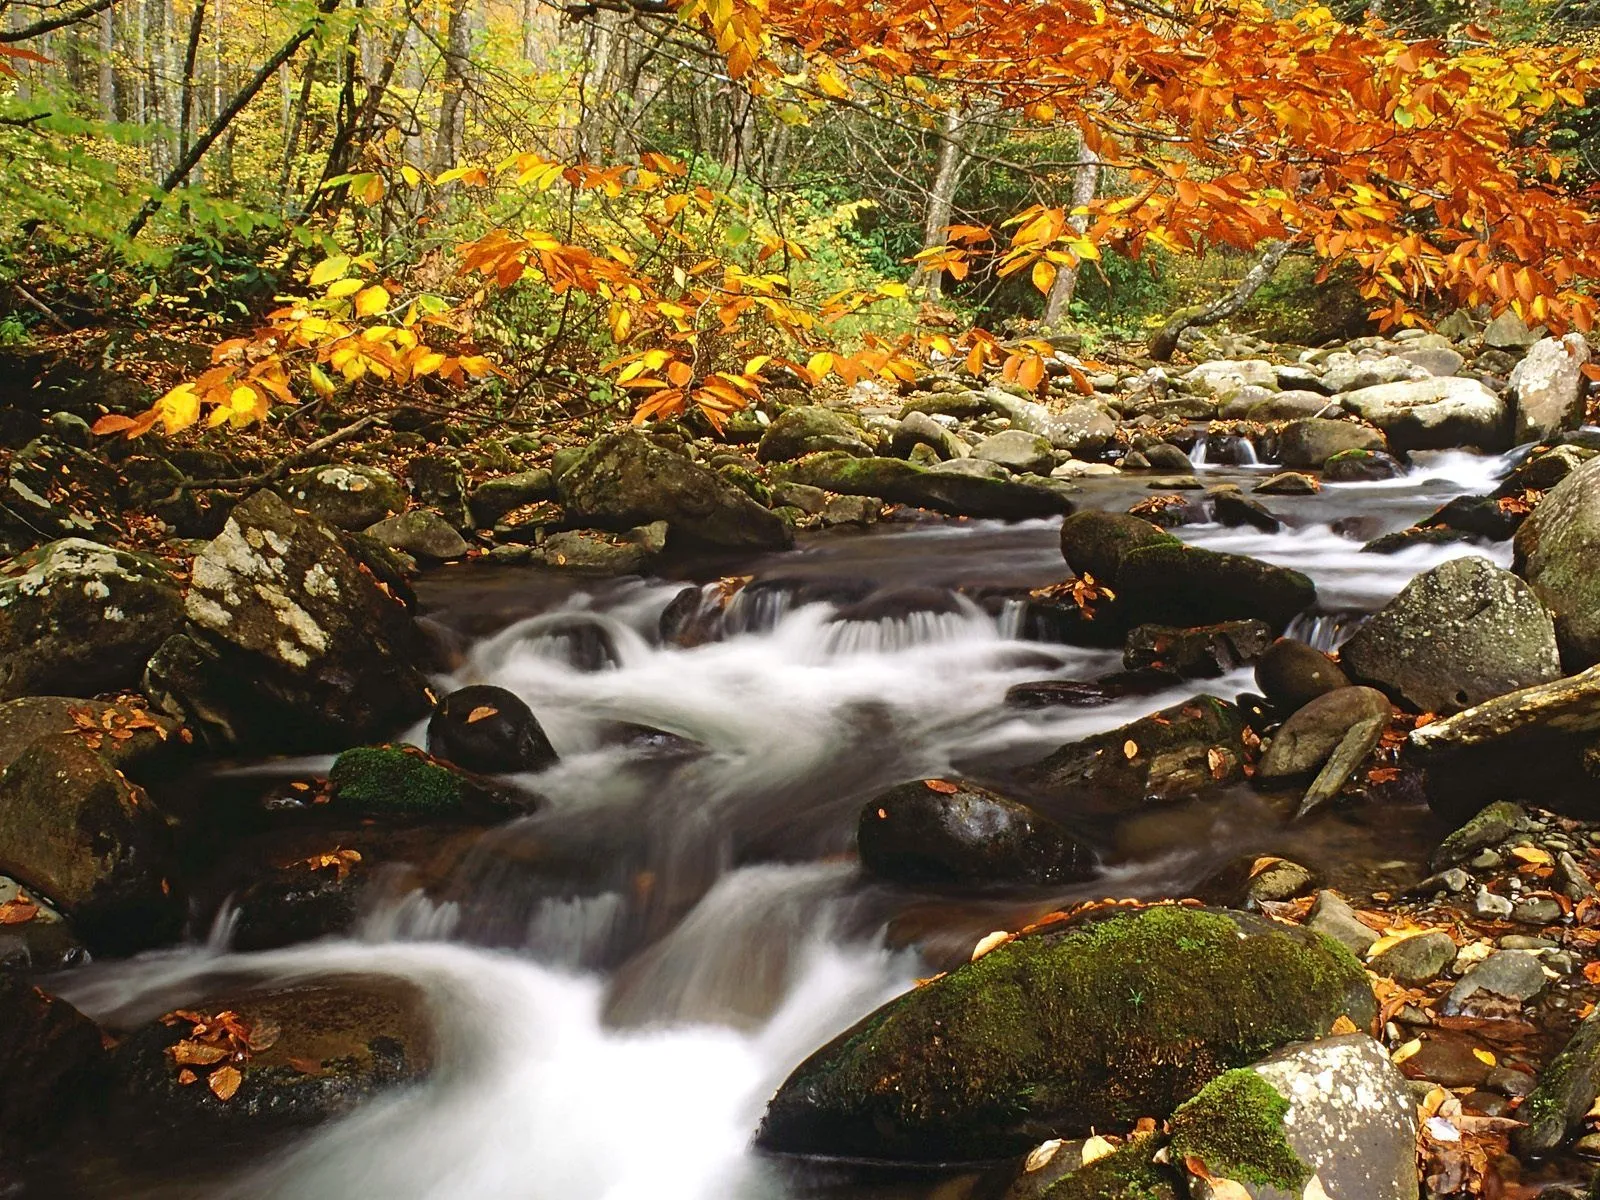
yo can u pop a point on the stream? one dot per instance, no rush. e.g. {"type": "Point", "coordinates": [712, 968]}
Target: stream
{"type": "Point", "coordinates": [623, 978]}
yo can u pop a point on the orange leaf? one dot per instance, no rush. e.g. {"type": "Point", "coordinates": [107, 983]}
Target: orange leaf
{"type": "Point", "coordinates": [224, 1082]}
{"type": "Point", "coordinates": [482, 713]}
{"type": "Point", "coordinates": [940, 785]}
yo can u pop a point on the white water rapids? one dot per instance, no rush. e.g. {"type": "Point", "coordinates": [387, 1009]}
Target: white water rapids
{"type": "Point", "coordinates": [613, 1050]}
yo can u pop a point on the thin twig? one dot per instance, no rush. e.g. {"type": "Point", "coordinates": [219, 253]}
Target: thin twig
{"type": "Point", "coordinates": [273, 474]}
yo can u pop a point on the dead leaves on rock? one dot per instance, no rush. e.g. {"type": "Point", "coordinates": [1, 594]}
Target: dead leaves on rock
{"type": "Point", "coordinates": [1084, 592]}
{"type": "Point", "coordinates": [339, 860]}
{"type": "Point", "coordinates": [217, 1045]}
{"type": "Point", "coordinates": [118, 723]}
{"type": "Point", "coordinates": [482, 713]}
{"type": "Point", "coordinates": [19, 910]}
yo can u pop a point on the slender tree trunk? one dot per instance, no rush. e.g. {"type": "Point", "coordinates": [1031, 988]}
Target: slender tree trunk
{"type": "Point", "coordinates": [108, 67]}
{"type": "Point", "coordinates": [953, 156]}
{"type": "Point", "coordinates": [224, 118]}
{"type": "Point", "coordinates": [197, 23]}
{"type": "Point", "coordinates": [291, 142]}
{"type": "Point", "coordinates": [1085, 179]}
{"type": "Point", "coordinates": [1165, 342]}
{"type": "Point", "coordinates": [457, 48]}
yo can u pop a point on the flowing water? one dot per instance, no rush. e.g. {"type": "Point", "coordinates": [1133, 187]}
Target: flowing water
{"type": "Point", "coordinates": [622, 979]}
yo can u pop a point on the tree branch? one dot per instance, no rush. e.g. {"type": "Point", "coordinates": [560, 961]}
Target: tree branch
{"type": "Point", "coordinates": [46, 24]}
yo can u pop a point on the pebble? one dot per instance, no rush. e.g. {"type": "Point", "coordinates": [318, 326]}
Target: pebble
{"type": "Point", "coordinates": [1537, 910]}
{"type": "Point", "coordinates": [1521, 941]}
{"type": "Point", "coordinates": [1512, 974]}
{"type": "Point", "coordinates": [1485, 860]}
{"type": "Point", "coordinates": [1487, 904]}
{"type": "Point", "coordinates": [1510, 1082]}
{"type": "Point", "coordinates": [1332, 917]}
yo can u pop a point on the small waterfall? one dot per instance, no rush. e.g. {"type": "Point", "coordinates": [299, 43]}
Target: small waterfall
{"type": "Point", "coordinates": [1197, 452]}
{"type": "Point", "coordinates": [1324, 631]}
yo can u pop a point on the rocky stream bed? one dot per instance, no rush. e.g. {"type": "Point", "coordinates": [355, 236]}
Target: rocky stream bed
{"type": "Point", "coordinates": [1188, 787]}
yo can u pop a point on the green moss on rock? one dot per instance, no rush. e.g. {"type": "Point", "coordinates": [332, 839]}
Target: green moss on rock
{"type": "Point", "coordinates": [1126, 1174]}
{"type": "Point", "coordinates": [1065, 1031]}
{"type": "Point", "coordinates": [397, 781]}
{"type": "Point", "coordinates": [1235, 1127]}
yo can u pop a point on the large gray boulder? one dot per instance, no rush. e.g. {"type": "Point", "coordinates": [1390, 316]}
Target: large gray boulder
{"type": "Point", "coordinates": [1336, 1110]}
{"type": "Point", "coordinates": [1083, 1025]}
{"type": "Point", "coordinates": [346, 497]}
{"type": "Point", "coordinates": [624, 480]}
{"type": "Point", "coordinates": [810, 429]}
{"type": "Point", "coordinates": [1549, 386]}
{"type": "Point", "coordinates": [299, 637]}
{"type": "Point", "coordinates": [78, 618]}
{"type": "Point", "coordinates": [1082, 424]}
{"type": "Point", "coordinates": [1556, 551]}
{"type": "Point", "coordinates": [1344, 372]}
{"type": "Point", "coordinates": [1019, 451]}
{"type": "Point", "coordinates": [1434, 413]}
{"type": "Point", "coordinates": [1185, 585]}
{"type": "Point", "coordinates": [1457, 635]}
{"type": "Point", "coordinates": [1313, 441]}
{"type": "Point", "coordinates": [1221, 378]}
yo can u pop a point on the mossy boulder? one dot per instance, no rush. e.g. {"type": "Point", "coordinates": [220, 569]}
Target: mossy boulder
{"type": "Point", "coordinates": [901, 482]}
{"type": "Point", "coordinates": [1086, 1025]}
{"type": "Point", "coordinates": [1556, 549]}
{"type": "Point", "coordinates": [403, 781]}
{"type": "Point", "coordinates": [941, 833]}
{"type": "Point", "coordinates": [810, 429]}
{"type": "Point", "coordinates": [1095, 543]}
{"type": "Point", "coordinates": [1173, 754]}
{"type": "Point", "coordinates": [1313, 441]}
{"type": "Point", "coordinates": [1184, 585]}
{"type": "Point", "coordinates": [1130, 1172]}
{"type": "Point", "coordinates": [1235, 1127]}
{"type": "Point", "coordinates": [1566, 1091]}
{"type": "Point", "coordinates": [1361, 466]}
{"type": "Point", "coordinates": [494, 498]}
{"type": "Point", "coordinates": [346, 497]}
{"type": "Point", "coordinates": [625, 480]}
{"type": "Point", "coordinates": [78, 618]}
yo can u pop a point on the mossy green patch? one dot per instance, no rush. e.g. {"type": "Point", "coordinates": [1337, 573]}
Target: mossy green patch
{"type": "Point", "coordinates": [1059, 1033]}
{"type": "Point", "coordinates": [1126, 1174]}
{"type": "Point", "coordinates": [1235, 1127]}
{"type": "Point", "coordinates": [396, 780]}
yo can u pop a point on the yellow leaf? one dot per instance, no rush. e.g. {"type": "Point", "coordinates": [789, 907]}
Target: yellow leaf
{"type": "Point", "coordinates": [320, 383]}
{"type": "Point", "coordinates": [411, 175]}
{"type": "Point", "coordinates": [1130, 749]}
{"type": "Point", "coordinates": [330, 269]}
{"type": "Point", "coordinates": [1531, 854]}
{"type": "Point", "coordinates": [1044, 275]}
{"type": "Point", "coordinates": [1486, 1057]}
{"type": "Point", "coordinates": [820, 364]}
{"type": "Point", "coordinates": [1041, 1155]}
{"type": "Point", "coordinates": [1095, 1149]}
{"type": "Point", "coordinates": [343, 288]}
{"type": "Point", "coordinates": [476, 365]}
{"type": "Point", "coordinates": [179, 408]}
{"type": "Point", "coordinates": [1343, 1026]}
{"type": "Point", "coordinates": [224, 1082]}
{"type": "Point", "coordinates": [372, 301]}
{"type": "Point", "coordinates": [829, 84]}
{"type": "Point", "coordinates": [482, 713]}
{"type": "Point", "coordinates": [427, 363]}
{"type": "Point", "coordinates": [1406, 1051]}
{"type": "Point", "coordinates": [988, 942]}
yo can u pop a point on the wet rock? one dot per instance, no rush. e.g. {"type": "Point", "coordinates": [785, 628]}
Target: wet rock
{"type": "Point", "coordinates": [346, 497]}
{"type": "Point", "coordinates": [1163, 456]}
{"type": "Point", "coordinates": [1235, 509]}
{"type": "Point", "coordinates": [1549, 387]}
{"type": "Point", "coordinates": [1566, 1090]}
{"type": "Point", "coordinates": [1446, 1059]}
{"type": "Point", "coordinates": [322, 1048]}
{"type": "Point", "coordinates": [1480, 516]}
{"type": "Point", "coordinates": [299, 639]}
{"type": "Point", "coordinates": [1069, 693]}
{"type": "Point", "coordinates": [422, 533]}
{"type": "Point", "coordinates": [79, 618]}
{"type": "Point", "coordinates": [1342, 765]}
{"type": "Point", "coordinates": [1176, 584]}
{"type": "Point", "coordinates": [1019, 451]}
{"type": "Point", "coordinates": [1133, 1171]}
{"type": "Point", "coordinates": [1175, 753]}
{"type": "Point", "coordinates": [75, 832]}
{"type": "Point", "coordinates": [1200, 652]}
{"type": "Point", "coordinates": [811, 429]}
{"type": "Point", "coordinates": [1361, 466]}
{"type": "Point", "coordinates": [140, 739]}
{"type": "Point", "coordinates": [1313, 732]}
{"type": "Point", "coordinates": [1312, 442]}
{"type": "Point", "coordinates": [1457, 635]}
{"type": "Point", "coordinates": [490, 730]}
{"type": "Point", "coordinates": [603, 553]}
{"type": "Point", "coordinates": [1434, 414]}
{"type": "Point", "coordinates": [1556, 549]}
{"type": "Point", "coordinates": [402, 781]}
{"type": "Point", "coordinates": [1541, 472]}
{"type": "Point", "coordinates": [51, 1063]}
{"type": "Point", "coordinates": [1335, 1109]}
{"type": "Point", "coordinates": [1333, 918]}
{"type": "Point", "coordinates": [1491, 826]}
{"type": "Point", "coordinates": [1089, 1024]}
{"type": "Point", "coordinates": [1405, 539]}
{"type": "Point", "coordinates": [1288, 483]}
{"type": "Point", "coordinates": [933, 832]}
{"type": "Point", "coordinates": [918, 429]}
{"type": "Point", "coordinates": [624, 481]}
{"type": "Point", "coordinates": [1252, 879]}
{"type": "Point", "coordinates": [494, 498]}
{"type": "Point", "coordinates": [898, 482]}
{"type": "Point", "coordinates": [1292, 674]}
{"type": "Point", "coordinates": [1509, 974]}
{"type": "Point", "coordinates": [1416, 960]}
{"type": "Point", "coordinates": [42, 940]}
{"type": "Point", "coordinates": [1491, 905]}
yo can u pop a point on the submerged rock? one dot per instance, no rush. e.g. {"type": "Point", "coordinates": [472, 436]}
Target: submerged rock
{"type": "Point", "coordinates": [956, 833]}
{"type": "Point", "coordinates": [1088, 1025]}
{"type": "Point", "coordinates": [310, 1052]}
{"type": "Point", "coordinates": [1556, 551]}
{"type": "Point", "coordinates": [300, 638]}
{"type": "Point", "coordinates": [1175, 753]}
{"type": "Point", "coordinates": [78, 618]}
{"type": "Point", "coordinates": [488, 729]}
{"type": "Point", "coordinates": [1567, 1089]}
{"type": "Point", "coordinates": [624, 480]}
{"type": "Point", "coordinates": [402, 781]}
{"type": "Point", "coordinates": [899, 482]}
{"type": "Point", "coordinates": [1457, 635]}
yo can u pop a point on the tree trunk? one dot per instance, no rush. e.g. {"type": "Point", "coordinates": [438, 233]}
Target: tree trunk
{"type": "Point", "coordinates": [953, 155]}
{"type": "Point", "coordinates": [1085, 179]}
{"type": "Point", "coordinates": [197, 23]}
{"type": "Point", "coordinates": [108, 67]}
{"type": "Point", "coordinates": [1165, 342]}
{"type": "Point", "coordinates": [458, 45]}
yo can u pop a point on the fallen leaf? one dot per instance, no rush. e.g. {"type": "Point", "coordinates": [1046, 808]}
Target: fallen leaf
{"type": "Point", "coordinates": [1343, 1026]}
{"type": "Point", "coordinates": [186, 1077]}
{"type": "Point", "coordinates": [1130, 749]}
{"type": "Point", "coordinates": [1406, 1051]}
{"type": "Point", "coordinates": [1218, 762]}
{"type": "Point", "coordinates": [942, 786]}
{"type": "Point", "coordinates": [18, 911]}
{"type": "Point", "coordinates": [988, 942]}
{"type": "Point", "coordinates": [1095, 1149]}
{"type": "Point", "coordinates": [224, 1082]}
{"type": "Point", "coordinates": [263, 1036]}
{"type": "Point", "coordinates": [482, 713]}
{"type": "Point", "coordinates": [189, 1053]}
{"type": "Point", "coordinates": [1486, 1057]}
{"type": "Point", "coordinates": [306, 1066]}
{"type": "Point", "coordinates": [1041, 1155]}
